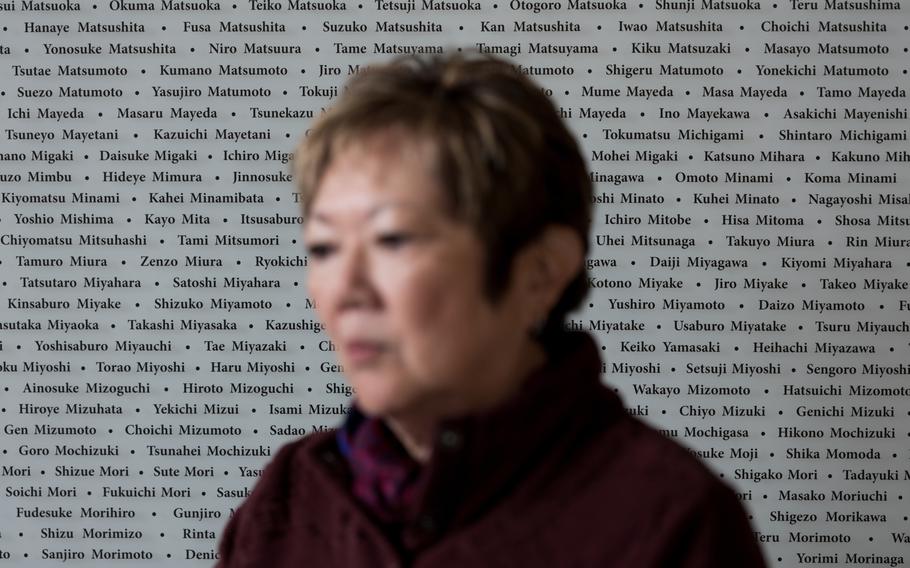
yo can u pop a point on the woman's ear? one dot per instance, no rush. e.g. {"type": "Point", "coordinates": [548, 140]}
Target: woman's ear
{"type": "Point", "coordinates": [548, 264]}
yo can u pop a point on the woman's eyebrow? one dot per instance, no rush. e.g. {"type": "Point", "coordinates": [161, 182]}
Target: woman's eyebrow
{"type": "Point", "coordinates": [322, 217]}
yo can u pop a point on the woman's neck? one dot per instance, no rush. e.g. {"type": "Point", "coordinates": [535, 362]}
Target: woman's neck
{"type": "Point", "coordinates": [417, 432]}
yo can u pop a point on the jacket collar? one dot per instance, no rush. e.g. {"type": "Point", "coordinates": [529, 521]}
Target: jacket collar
{"type": "Point", "coordinates": [477, 459]}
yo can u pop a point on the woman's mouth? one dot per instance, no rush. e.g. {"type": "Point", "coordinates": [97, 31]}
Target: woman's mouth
{"type": "Point", "coordinates": [363, 351]}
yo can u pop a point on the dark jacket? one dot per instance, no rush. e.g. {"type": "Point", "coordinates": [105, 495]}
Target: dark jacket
{"type": "Point", "coordinates": [560, 475]}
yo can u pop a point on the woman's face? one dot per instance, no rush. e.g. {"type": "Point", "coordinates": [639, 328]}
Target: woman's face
{"type": "Point", "coordinates": [398, 286]}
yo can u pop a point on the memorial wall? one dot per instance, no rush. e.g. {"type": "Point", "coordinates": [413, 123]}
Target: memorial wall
{"type": "Point", "coordinates": [748, 264]}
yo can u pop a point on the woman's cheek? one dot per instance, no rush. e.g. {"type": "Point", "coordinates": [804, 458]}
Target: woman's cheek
{"type": "Point", "coordinates": [435, 302]}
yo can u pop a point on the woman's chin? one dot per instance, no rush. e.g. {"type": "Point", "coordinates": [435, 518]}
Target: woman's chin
{"type": "Point", "coordinates": [375, 400]}
{"type": "Point", "coordinates": [386, 394]}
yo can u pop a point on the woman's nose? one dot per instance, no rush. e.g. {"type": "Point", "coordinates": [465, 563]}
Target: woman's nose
{"type": "Point", "coordinates": [355, 282]}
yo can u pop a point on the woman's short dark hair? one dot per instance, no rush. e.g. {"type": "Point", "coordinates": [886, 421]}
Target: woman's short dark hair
{"type": "Point", "coordinates": [506, 161]}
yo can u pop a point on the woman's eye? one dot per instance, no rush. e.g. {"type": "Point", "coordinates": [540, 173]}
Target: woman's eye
{"type": "Point", "coordinates": [394, 240]}
{"type": "Point", "coordinates": [320, 250]}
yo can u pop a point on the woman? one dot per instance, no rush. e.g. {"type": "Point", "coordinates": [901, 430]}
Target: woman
{"type": "Point", "coordinates": [447, 214]}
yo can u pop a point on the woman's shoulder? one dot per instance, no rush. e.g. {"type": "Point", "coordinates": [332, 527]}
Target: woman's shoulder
{"type": "Point", "coordinates": [272, 511]}
{"type": "Point", "coordinates": [638, 490]}
{"type": "Point", "coordinates": [647, 463]}
{"type": "Point", "coordinates": [286, 475]}
{"type": "Point", "coordinates": [625, 467]}
{"type": "Point", "coordinates": [647, 451]}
